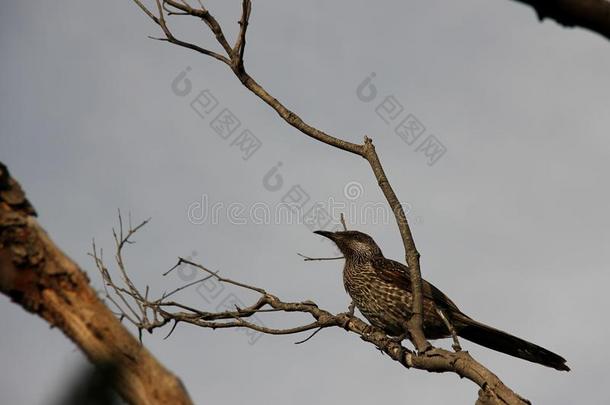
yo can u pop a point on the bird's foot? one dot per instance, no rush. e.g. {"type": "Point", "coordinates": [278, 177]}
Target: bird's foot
{"type": "Point", "coordinates": [456, 343]}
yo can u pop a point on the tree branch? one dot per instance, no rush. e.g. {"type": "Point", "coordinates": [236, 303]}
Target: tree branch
{"type": "Point", "coordinates": [37, 275]}
{"type": "Point", "coordinates": [240, 44]}
{"type": "Point", "coordinates": [433, 360]}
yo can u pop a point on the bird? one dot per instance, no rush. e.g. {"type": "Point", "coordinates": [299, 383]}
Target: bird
{"type": "Point", "coordinates": [381, 290]}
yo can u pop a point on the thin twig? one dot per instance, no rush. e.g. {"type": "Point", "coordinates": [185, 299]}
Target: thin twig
{"type": "Point", "coordinates": [240, 44]}
{"type": "Point", "coordinates": [221, 279]}
{"type": "Point", "coordinates": [165, 296]}
{"type": "Point", "coordinates": [342, 218]}
{"type": "Point", "coordinates": [309, 337]}
{"type": "Point", "coordinates": [308, 259]}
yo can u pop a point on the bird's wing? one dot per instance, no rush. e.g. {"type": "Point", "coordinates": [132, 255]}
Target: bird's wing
{"type": "Point", "coordinates": [399, 274]}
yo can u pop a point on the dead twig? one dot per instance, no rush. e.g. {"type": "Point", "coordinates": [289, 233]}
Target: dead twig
{"type": "Point", "coordinates": [309, 259]}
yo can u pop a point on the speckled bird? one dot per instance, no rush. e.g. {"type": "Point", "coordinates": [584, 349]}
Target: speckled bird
{"type": "Point", "coordinates": [381, 289]}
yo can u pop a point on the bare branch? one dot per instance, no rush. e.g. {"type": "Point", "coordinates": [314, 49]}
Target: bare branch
{"type": "Point", "coordinates": [309, 259]}
{"type": "Point", "coordinates": [221, 279]}
{"type": "Point", "coordinates": [342, 218]}
{"type": "Point", "coordinates": [201, 280]}
{"type": "Point", "coordinates": [147, 11]}
{"type": "Point", "coordinates": [169, 37]}
{"type": "Point", "coordinates": [209, 20]}
{"type": "Point", "coordinates": [309, 337]}
{"type": "Point", "coordinates": [433, 359]}
{"type": "Point", "coordinates": [240, 44]}
{"type": "Point", "coordinates": [412, 255]}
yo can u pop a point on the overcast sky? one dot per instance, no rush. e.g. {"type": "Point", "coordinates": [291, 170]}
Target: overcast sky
{"type": "Point", "coordinates": [511, 220]}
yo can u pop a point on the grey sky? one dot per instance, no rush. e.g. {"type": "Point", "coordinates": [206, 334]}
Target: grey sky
{"type": "Point", "coordinates": [512, 221]}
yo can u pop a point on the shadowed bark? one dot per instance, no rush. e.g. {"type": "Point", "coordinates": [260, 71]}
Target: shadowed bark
{"type": "Point", "coordinates": [593, 15]}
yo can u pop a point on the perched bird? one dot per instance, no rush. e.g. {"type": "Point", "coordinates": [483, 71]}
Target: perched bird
{"type": "Point", "coordinates": [381, 289]}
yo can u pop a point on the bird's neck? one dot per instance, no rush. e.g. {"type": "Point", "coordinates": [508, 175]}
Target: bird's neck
{"type": "Point", "coordinates": [358, 260]}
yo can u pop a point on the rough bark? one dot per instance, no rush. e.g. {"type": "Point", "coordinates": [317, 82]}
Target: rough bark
{"type": "Point", "coordinates": [38, 276]}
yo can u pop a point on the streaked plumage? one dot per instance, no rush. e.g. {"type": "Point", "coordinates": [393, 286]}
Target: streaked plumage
{"type": "Point", "coordinates": [381, 290]}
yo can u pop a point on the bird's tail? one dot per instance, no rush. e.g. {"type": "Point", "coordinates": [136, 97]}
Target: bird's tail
{"type": "Point", "coordinates": [500, 341]}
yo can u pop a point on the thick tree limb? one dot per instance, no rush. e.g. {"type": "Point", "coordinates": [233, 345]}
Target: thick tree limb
{"type": "Point", "coordinates": [590, 14]}
{"type": "Point", "coordinates": [37, 275]}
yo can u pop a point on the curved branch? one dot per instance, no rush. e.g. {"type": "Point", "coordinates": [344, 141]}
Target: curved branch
{"type": "Point", "coordinates": [203, 14]}
{"type": "Point", "coordinates": [416, 321]}
{"type": "Point", "coordinates": [240, 44]}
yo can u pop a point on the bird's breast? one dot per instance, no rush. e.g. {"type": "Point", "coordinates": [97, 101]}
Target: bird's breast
{"type": "Point", "coordinates": [384, 304]}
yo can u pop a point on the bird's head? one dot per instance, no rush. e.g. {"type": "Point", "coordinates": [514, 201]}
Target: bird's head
{"type": "Point", "coordinates": [353, 244]}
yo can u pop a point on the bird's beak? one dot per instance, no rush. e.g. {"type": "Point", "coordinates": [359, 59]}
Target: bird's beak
{"type": "Point", "coordinates": [329, 235]}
